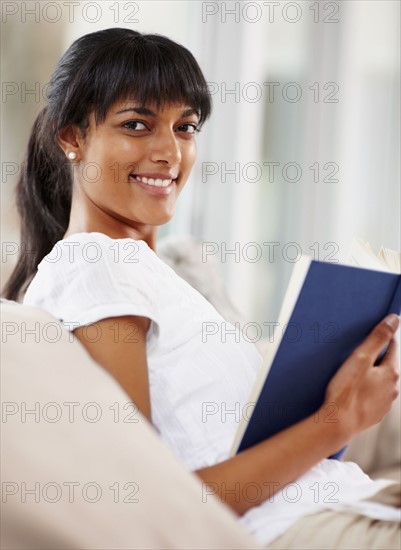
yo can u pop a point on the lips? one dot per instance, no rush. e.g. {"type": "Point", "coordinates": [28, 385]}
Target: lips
{"type": "Point", "coordinates": [154, 186]}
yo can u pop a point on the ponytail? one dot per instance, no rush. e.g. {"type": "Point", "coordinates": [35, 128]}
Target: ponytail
{"type": "Point", "coordinates": [43, 199]}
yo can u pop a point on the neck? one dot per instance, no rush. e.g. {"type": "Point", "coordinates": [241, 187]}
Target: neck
{"type": "Point", "coordinates": [88, 220]}
{"type": "Point", "coordinates": [144, 233]}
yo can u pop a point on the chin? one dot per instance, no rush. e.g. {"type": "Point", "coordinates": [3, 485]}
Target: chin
{"type": "Point", "coordinates": [162, 218]}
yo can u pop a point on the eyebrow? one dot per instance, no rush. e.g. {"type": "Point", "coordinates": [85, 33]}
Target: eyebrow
{"type": "Point", "coordinates": [147, 112]}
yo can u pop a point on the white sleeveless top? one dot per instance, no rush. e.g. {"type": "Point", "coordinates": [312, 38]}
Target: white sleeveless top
{"type": "Point", "coordinates": [200, 378]}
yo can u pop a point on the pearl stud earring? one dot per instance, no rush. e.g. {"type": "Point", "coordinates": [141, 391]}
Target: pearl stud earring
{"type": "Point", "coordinates": [72, 155]}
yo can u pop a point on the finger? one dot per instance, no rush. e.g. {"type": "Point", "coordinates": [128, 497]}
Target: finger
{"type": "Point", "coordinates": [391, 355]}
{"type": "Point", "coordinates": [378, 338]}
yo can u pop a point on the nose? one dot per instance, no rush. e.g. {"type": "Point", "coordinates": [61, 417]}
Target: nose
{"type": "Point", "coordinates": [165, 148]}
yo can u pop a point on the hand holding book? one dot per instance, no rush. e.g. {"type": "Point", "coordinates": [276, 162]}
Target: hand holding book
{"type": "Point", "coordinates": [357, 385]}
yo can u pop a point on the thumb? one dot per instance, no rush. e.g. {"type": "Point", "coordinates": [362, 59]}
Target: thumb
{"type": "Point", "coordinates": [378, 338]}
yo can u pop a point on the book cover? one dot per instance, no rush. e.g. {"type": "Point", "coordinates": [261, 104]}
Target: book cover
{"type": "Point", "coordinates": [327, 312]}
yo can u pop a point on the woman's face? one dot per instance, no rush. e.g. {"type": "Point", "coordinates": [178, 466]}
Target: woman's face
{"type": "Point", "coordinates": [133, 166]}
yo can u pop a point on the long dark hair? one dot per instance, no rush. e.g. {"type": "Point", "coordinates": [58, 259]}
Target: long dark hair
{"type": "Point", "coordinates": [97, 70]}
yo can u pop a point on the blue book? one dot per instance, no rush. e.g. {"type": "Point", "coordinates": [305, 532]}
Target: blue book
{"type": "Point", "coordinates": [328, 310]}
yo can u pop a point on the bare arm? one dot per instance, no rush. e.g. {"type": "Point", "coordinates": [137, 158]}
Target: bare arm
{"type": "Point", "coordinates": [120, 347]}
{"type": "Point", "coordinates": [363, 395]}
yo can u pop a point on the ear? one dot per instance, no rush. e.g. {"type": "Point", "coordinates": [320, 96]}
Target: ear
{"type": "Point", "coordinates": [70, 140]}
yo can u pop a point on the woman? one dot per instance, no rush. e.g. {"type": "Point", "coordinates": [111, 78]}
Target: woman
{"type": "Point", "coordinates": [106, 162]}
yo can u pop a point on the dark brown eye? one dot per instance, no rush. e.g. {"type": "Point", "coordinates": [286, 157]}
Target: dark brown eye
{"type": "Point", "coordinates": [188, 128]}
{"type": "Point", "coordinates": [133, 125]}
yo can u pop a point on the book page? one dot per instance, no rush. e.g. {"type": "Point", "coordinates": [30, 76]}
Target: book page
{"type": "Point", "coordinates": [391, 258]}
{"type": "Point", "coordinates": [362, 255]}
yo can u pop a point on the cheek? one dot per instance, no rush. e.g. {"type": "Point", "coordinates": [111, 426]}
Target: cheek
{"type": "Point", "coordinates": [190, 154]}
{"type": "Point", "coordinates": [123, 155]}
{"type": "Point", "coordinates": [111, 159]}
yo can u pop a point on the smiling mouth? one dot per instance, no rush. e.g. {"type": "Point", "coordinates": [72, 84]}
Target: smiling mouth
{"type": "Point", "coordinates": [152, 181]}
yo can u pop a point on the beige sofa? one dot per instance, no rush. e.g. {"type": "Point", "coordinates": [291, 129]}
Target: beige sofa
{"type": "Point", "coordinates": [80, 467]}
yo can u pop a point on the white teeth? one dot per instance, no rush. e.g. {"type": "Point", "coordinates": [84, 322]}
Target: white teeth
{"type": "Point", "coordinates": [156, 182]}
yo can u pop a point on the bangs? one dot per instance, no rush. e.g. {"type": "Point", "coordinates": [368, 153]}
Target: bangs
{"type": "Point", "coordinates": [145, 68]}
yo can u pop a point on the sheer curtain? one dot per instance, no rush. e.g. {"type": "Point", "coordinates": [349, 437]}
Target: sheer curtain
{"type": "Point", "coordinates": [309, 111]}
